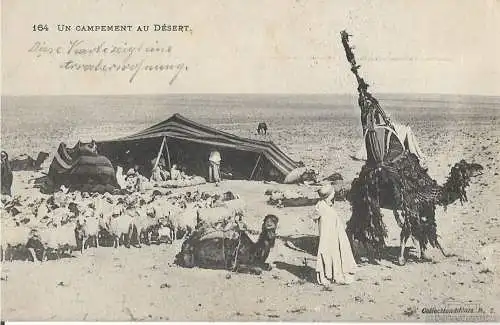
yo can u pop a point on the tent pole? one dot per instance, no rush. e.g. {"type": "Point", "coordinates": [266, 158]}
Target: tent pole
{"type": "Point", "coordinates": [159, 153]}
{"type": "Point", "coordinates": [168, 154]}
{"type": "Point", "coordinates": [256, 164]}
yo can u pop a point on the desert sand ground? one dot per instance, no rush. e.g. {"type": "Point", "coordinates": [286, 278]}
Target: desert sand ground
{"type": "Point", "coordinates": [143, 284]}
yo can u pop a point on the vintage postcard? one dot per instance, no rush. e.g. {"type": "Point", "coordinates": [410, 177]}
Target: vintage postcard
{"type": "Point", "coordinates": [289, 160]}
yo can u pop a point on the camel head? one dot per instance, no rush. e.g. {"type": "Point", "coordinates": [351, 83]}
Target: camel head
{"type": "Point", "coordinates": [5, 156]}
{"type": "Point", "coordinates": [86, 148]}
{"type": "Point", "coordinates": [458, 181]}
{"type": "Point", "coordinates": [42, 156]}
{"type": "Point", "coordinates": [269, 226]}
{"type": "Point", "coordinates": [472, 169]}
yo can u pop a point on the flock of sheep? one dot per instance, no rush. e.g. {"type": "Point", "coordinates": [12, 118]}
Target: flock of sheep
{"type": "Point", "coordinates": [52, 228]}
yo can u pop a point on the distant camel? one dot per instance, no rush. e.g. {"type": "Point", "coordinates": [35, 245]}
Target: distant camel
{"type": "Point", "coordinates": [262, 128]}
{"type": "Point", "coordinates": [25, 162]}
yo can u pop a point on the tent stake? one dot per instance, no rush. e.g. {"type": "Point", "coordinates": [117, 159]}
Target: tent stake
{"type": "Point", "coordinates": [168, 154]}
{"type": "Point", "coordinates": [159, 153]}
{"type": "Point", "coordinates": [256, 164]}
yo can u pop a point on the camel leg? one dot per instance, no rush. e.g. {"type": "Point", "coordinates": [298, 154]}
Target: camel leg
{"type": "Point", "coordinates": [58, 253]}
{"type": "Point", "coordinates": [11, 254]}
{"type": "Point", "coordinates": [84, 242]}
{"type": "Point", "coordinates": [443, 251]}
{"type": "Point", "coordinates": [138, 238]}
{"type": "Point", "coordinates": [405, 235]}
{"type": "Point", "coordinates": [124, 240]}
{"type": "Point", "coordinates": [398, 219]}
{"type": "Point", "coordinates": [8, 253]}
{"type": "Point", "coordinates": [129, 235]}
{"type": "Point", "coordinates": [421, 256]}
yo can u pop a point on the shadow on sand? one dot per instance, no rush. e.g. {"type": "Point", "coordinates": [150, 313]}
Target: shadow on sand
{"type": "Point", "coordinates": [302, 243]}
{"type": "Point", "coordinates": [309, 244]}
{"type": "Point", "coordinates": [303, 272]}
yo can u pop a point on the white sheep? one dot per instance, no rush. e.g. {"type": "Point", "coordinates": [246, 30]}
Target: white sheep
{"type": "Point", "coordinates": [13, 238]}
{"type": "Point", "coordinates": [87, 228]}
{"type": "Point", "coordinates": [58, 239]}
{"type": "Point", "coordinates": [121, 227]}
{"type": "Point", "coordinates": [60, 215]}
{"type": "Point", "coordinates": [42, 211]}
{"type": "Point", "coordinates": [103, 207]}
{"type": "Point", "coordinates": [170, 215]}
{"type": "Point", "coordinates": [165, 234]}
{"type": "Point", "coordinates": [214, 215]}
{"type": "Point", "coordinates": [146, 222]}
{"type": "Point", "coordinates": [184, 221]}
{"type": "Point", "coordinates": [238, 207]}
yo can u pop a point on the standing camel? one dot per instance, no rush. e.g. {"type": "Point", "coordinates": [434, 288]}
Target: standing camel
{"type": "Point", "coordinates": [393, 178]}
{"type": "Point", "coordinates": [262, 128]}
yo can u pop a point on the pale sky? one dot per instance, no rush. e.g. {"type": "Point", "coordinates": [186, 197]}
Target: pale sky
{"type": "Point", "coordinates": [273, 46]}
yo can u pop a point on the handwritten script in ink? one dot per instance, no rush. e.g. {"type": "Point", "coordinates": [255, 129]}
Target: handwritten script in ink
{"type": "Point", "coordinates": [129, 59]}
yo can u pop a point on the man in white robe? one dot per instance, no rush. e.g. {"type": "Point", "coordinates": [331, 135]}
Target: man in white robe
{"type": "Point", "coordinates": [214, 167]}
{"type": "Point", "coordinates": [335, 261]}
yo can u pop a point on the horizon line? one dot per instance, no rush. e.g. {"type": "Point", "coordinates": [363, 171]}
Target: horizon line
{"type": "Point", "coordinates": [256, 93]}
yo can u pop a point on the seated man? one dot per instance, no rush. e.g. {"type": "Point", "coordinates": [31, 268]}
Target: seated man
{"type": "Point", "coordinates": [160, 174]}
{"type": "Point", "coordinates": [175, 173]}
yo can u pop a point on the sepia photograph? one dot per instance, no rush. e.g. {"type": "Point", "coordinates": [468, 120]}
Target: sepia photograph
{"type": "Point", "coordinates": [285, 161]}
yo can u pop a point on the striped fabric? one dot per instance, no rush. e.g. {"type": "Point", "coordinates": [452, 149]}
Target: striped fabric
{"type": "Point", "coordinates": [62, 162]}
{"type": "Point", "coordinates": [80, 168]}
{"type": "Point", "coordinates": [382, 144]}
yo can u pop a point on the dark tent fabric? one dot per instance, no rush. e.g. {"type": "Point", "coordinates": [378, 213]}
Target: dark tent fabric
{"type": "Point", "coordinates": [189, 143]}
{"type": "Point", "coordinates": [79, 168]}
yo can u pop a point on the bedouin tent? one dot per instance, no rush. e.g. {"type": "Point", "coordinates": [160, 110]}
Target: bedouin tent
{"type": "Point", "coordinates": [188, 144]}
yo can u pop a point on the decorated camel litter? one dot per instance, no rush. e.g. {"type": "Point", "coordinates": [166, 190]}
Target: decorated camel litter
{"type": "Point", "coordinates": [394, 178]}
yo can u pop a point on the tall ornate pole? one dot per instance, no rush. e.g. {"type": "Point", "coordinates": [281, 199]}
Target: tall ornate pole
{"type": "Point", "coordinates": [371, 112]}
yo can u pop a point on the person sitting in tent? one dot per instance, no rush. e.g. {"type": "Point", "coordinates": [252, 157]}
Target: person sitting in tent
{"type": "Point", "coordinates": [120, 178]}
{"type": "Point", "coordinates": [135, 181]}
{"type": "Point", "coordinates": [6, 176]}
{"type": "Point", "coordinates": [214, 166]}
{"type": "Point", "coordinates": [160, 172]}
{"type": "Point", "coordinates": [335, 261]}
{"type": "Point", "coordinates": [175, 173]}
{"type": "Point", "coordinates": [131, 180]}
